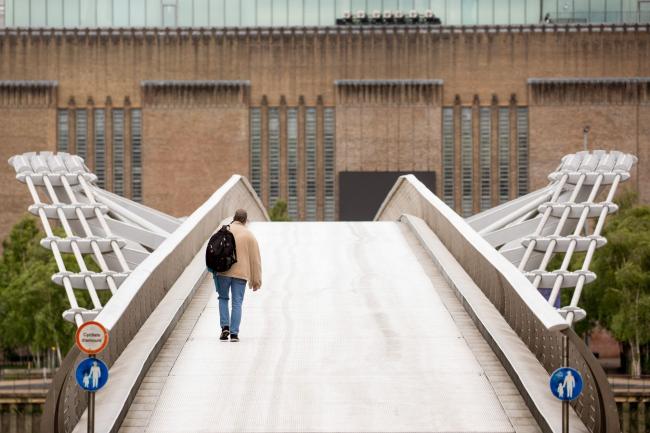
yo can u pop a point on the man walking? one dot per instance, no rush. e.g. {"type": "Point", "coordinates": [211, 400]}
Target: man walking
{"type": "Point", "coordinates": [248, 268]}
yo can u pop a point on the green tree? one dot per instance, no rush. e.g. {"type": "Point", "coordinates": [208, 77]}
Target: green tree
{"type": "Point", "coordinates": [30, 303]}
{"type": "Point", "coordinates": [619, 299]}
{"type": "Point", "coordinates": [279, 211]}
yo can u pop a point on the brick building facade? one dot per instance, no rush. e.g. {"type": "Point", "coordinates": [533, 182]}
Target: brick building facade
{"type": "Point", "coordinates": [165, 116]}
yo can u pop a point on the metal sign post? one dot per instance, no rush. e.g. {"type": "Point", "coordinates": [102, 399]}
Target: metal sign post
{"type": "Point", "coordinates": [91, 409]}
{"type": "Point", "coordinates": [565, 403]}
{"type": "Point", "coordinates": [92, 373]}
{"type": "Point", "coordinates": [566, 384]}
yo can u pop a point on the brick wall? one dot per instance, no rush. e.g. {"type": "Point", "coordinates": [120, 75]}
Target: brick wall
{"type": "Point", "coordinates": [195, 136]}
{"type": "Point", "coordinates": [201, 137]}
{"type": "Point", "coordinates": [615, 111]}
{"type": "Point", "coordinates": [27, 122]}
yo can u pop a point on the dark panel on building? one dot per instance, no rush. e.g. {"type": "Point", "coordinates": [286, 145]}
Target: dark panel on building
{"type": "Point", "coordinates": [362, 192]}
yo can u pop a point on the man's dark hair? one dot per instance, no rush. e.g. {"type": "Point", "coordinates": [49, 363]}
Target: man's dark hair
{"type": "Point", "coordinates": [240, 215]}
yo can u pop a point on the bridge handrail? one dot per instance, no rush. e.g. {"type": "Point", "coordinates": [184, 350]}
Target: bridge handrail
{"type": "Point", "coordinates": [536, 322]}
{"type": "Point", "coordinates": [141, 292]}
{"type": "Point", "coordinates": [448, 225]}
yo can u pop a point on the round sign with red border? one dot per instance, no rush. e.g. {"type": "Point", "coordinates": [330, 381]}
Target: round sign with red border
{"type": "Point", "coordinates": [92, 337]}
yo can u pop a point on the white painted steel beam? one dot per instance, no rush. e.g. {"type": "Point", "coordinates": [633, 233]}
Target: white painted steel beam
{"type": "Point", "coordinates": [90, 220]}
{"type": "Point", "coordinates": [558, 225]}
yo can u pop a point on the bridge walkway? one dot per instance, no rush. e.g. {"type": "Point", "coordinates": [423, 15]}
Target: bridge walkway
{"type": "Point", "coordinates": [355, 329]}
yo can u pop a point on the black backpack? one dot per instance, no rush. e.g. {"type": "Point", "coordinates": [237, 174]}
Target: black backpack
{"type": "Point", "coordinates": [221, 252]}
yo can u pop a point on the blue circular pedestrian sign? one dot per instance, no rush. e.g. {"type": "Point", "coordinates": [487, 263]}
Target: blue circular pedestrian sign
{"type": "Point", "coordinates": [92, 374]}
{"type": "Point", "coordinates": [566, 383]}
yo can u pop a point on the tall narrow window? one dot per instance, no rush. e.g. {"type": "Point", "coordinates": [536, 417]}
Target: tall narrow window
{"type": "Point", "coordinates": [136, 155]}
{"type": "Point", "coordinates": [504, 154]}
{"type": "Point", "coordinates": [310, 164]}
{"type": "Point", "coordinates": [274, 155]}
{"type": "Point", "coordinates": [100, 147]}
{"type": "Point", "coordinates": [522, 151]}
{"type": "Point", "coordinates": [292, 163]}
{"type": "Point", "coordinates": [256, 150]}
{"type": "Point", "coordinates": [466, 160]}
{"type": "Point", "coordinates": [448, 156]}
{"type": "Point", "coordinates": [118, 151]}
{"type": "Point", "coordinates": [485, 144]}
{"type": "Point", "coordinates": [81, 135]}
{"type": "Point", "coordinates": [63, 135]}
{"type": "Point", "coordinates": [329, 132]}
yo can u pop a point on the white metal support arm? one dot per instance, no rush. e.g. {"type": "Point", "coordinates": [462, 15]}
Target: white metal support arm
{"type": "Point", "coordinates": [116, 232]}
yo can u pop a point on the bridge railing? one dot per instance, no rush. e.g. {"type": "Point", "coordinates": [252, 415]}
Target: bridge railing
{"type": "Point", "coordinates": [141, 292]}
{"type": "Point", "coordinates": [537, 323]}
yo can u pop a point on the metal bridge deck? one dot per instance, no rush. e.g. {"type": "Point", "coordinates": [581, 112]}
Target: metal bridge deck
{"type": "Point", "coordinates": [354, 330]}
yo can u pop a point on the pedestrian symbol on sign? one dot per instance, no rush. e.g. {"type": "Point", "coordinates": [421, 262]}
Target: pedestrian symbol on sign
{"type": "Point", "coordinates": [92, 374]}
{"type": "Point", "coordinates": [566, 383]}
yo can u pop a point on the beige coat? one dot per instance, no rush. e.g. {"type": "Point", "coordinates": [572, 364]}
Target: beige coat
{"type": "Point", "coordinates": [249, 264]}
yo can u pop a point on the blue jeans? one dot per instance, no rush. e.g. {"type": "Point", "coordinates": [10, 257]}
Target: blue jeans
{"type": "Point", "coordinates": [224, 286]}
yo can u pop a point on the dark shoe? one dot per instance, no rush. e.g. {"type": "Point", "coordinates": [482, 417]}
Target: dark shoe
{"type": "Point", "coordinates": [225, 332]}
{"type": "Point", "coordinates": [234, 338]}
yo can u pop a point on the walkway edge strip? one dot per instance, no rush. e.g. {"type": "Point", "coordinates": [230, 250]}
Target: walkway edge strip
{"type": "Point", "coordinates": [529, 376]}
{"type": "Point", "coordinates": [133, 364]}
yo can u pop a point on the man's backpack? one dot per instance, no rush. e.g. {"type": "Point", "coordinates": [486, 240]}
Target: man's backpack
{"type": "Point", "coordinates": [221, 252]}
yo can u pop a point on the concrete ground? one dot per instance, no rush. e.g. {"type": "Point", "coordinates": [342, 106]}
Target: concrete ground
{"type": "Point", "coordinates": [339, 338]}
